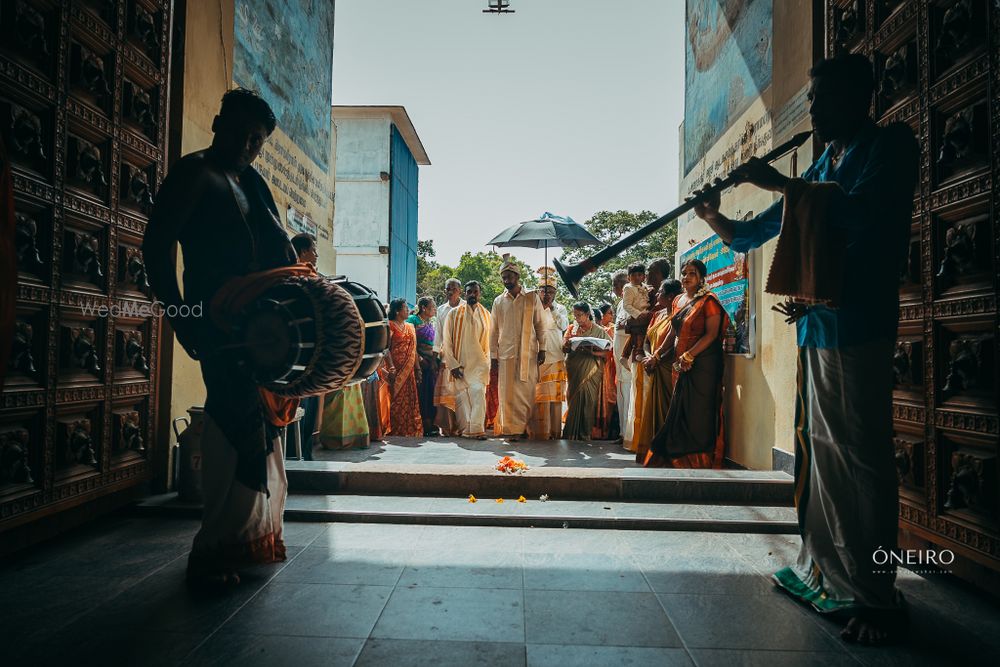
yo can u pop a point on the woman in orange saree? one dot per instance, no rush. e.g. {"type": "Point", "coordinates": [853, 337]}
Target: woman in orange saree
{"type": "Point", "coordinates": [693, 435]}
{"type": "Point", "coordinates": [404, 406]}
{"type": "Point", "coordinates": [655, 374]}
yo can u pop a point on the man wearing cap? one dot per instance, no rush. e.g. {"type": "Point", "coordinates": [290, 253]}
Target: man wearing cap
{"type": "Point", "coordinates": [517, 341]}
{"type": "Point", "coordinates": [548, 287]}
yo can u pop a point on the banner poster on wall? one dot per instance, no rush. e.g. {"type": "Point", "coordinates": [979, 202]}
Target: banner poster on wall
{"type": "Point", "coordinates": [729, 278]}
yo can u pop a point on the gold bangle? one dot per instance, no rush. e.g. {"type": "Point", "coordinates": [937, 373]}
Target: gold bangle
{"type": "Point", "coordinates": [687, 358]}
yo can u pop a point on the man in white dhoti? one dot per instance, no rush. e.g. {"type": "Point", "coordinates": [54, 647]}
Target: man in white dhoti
{"type": "Point", "coordinates": [623, 369]}
{"type": "Point", "coordinates": [517, 339]}
{"type": "Point", "coordinates": [551, 390]}
{"type": "Point", "coordinates": [444, 417]}
{"type": "Point", "coordinates": [465, 348]}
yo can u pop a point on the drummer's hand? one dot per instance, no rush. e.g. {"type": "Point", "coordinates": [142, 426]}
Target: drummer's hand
{"type": "Point", "coordinates": [791, 310]}
{"type": "Point", "coordinates": [457, 374]}
{"type": "Point", "coordinates": [708, 208]}
{"type": "Point", "coordinates": [649, 362]}
{"type": "Point", "coordinates": [757, 172]}
{"type": "Point", "coordinates": [541, 357]}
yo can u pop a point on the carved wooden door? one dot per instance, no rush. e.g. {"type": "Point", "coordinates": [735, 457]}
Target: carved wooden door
{"type": "Point", "coordinates": [937, 68]}
{"type": "Point", "coordinates": [83, 99]}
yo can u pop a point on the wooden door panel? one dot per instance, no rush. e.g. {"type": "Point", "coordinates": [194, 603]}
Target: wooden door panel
{"type": "Point", "coordinates": [83, 99]}
{"type": "Point", "coordinates": [936, 67]}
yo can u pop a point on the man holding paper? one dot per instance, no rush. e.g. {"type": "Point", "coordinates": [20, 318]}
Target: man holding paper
{"type": "Point", "coordinates": [586, 345]}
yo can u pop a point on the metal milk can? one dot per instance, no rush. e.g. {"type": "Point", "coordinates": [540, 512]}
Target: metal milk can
{"type": "Point", "coordinates": [189, 446]}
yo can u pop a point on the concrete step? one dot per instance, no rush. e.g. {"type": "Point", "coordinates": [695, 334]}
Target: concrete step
{"type": "Point", "coordinates": [533, 512]}
{"type": "Point", "coordinates": [724, 487]}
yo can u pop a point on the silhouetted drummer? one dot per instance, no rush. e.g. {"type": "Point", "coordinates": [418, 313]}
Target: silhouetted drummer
{"type": "Point", "coordinates": [220, 210]}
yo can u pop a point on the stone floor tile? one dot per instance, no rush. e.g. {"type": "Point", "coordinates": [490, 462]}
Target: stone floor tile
{"type": "Point", "coordinates": [757, 658]}
{"type": "Point", "coordinates": [415, 653]}
{"type": "Point", "coordinates": [279, 651]}
{"type": "Point", "coordinates": [598, 618]}
{"type": "Point", "coordinates": [537, 454]}
{"type": "Point", "coordinates": [744, 622]}
{"type": "Point", "coordinates": [301, 533]}
{"type": "Point", "coordinates": [472, 538]}
{"type": "Point", "coordinates": [38, 606]}
{"type": "Point", "coordinates": [653, 544]}
{"type": "Point", "coordinates": [463, 614]}
{"type": "Point", "coordinates": [145, 647]}
{"type": "Point", "coordinates": [583, 572]}
{"type": "Point", "coordinates": [372, 567]}
{"type": "Point", "coordinates": [165, 603]}
{"type": "Point", "coordinates": [563, 540]}
{"type": "Point", "coordinates": [658, 511]}
{"type": "Point", "coordinates": [554, 655]}
{"type": "Point", "coordinates": [707, 574]}
{"type": "Point", "coordinates": [935, 637]}
{"type": "Point", "coordinates": [369, 536]}
{"type": "Point", "coordinates": [464, 569]}
{"type": "Point", "coordinates": [317, 610]}
{"type": "Point", "coordinates": [766, 553]}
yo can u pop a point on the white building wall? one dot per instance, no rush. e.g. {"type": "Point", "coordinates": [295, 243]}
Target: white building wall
{"type": "Point", "coordinates": [361, 226]}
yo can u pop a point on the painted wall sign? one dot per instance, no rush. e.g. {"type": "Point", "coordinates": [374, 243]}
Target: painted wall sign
{"type": "Point", "coordinates": [729, 277]}
{"type": "Point", "coordinates": [284, 51]}
{"type": "Point", "coordinates": [727, 66]}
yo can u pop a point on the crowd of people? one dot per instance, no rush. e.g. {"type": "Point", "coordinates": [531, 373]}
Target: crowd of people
{"type": "Point", "coordinates": [646, 370]}
{"type": "Point", "coordinates": [643, 369]}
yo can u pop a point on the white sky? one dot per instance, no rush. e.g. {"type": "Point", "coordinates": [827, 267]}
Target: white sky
{"type": "Point", "coordinates": [568, 106]}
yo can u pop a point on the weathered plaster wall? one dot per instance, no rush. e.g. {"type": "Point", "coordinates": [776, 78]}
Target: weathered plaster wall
{"type": "Point", "coordinates": [208, 72]}
{"type": "Point", "coordinates": [363, 201]}
{"type": "Point", "coordinates": [760, 391]}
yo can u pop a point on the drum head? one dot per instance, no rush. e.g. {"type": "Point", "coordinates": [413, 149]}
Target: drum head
{"type": "Point", "coordinates": [302, 337]}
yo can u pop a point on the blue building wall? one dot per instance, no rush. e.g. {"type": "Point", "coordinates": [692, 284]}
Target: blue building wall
{"type": "Point", "coordinates": [402, 220]}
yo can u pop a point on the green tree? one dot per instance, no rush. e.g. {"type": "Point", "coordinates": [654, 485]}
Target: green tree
{"type": "Point", "coordinates": [481, 266]}
{"type": "Point", "coordinates": [609, 226]}
{"type": "Point", "coordinates": [485, 268]}
{"type": "Point", "coordinates": [431, 275]}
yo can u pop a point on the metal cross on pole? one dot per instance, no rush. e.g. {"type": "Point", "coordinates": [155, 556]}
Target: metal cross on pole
{"type": "Point", "coordinates": [498, 7]}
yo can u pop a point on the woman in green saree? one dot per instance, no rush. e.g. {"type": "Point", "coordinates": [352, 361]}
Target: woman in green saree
{"type": "Point", "coordinates": [585, 368]}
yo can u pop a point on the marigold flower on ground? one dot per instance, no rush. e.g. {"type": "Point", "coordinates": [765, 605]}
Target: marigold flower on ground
{"type": "Point", "coordinates": [499, 500]}
{"type": "Point", "coordinates": [472, 498]}
{"type": "Point", "coordinates": [522, 499]}
{"type": "Point", "coordinates": [510, 466]}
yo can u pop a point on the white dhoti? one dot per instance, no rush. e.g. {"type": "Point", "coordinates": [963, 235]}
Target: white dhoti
{"type": "Point", "coordinates": [517, 332]}
{"type": "Point", "coordinates": [470, 408]}
{"type": "Point", "coordinates": [465, 346]}
{"type": "Point", "coordinates": [623, 385]}
{"type": "Point", "coordinates": [517, 398]}
{"type": "Point", "coordinates": [239, 526]}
